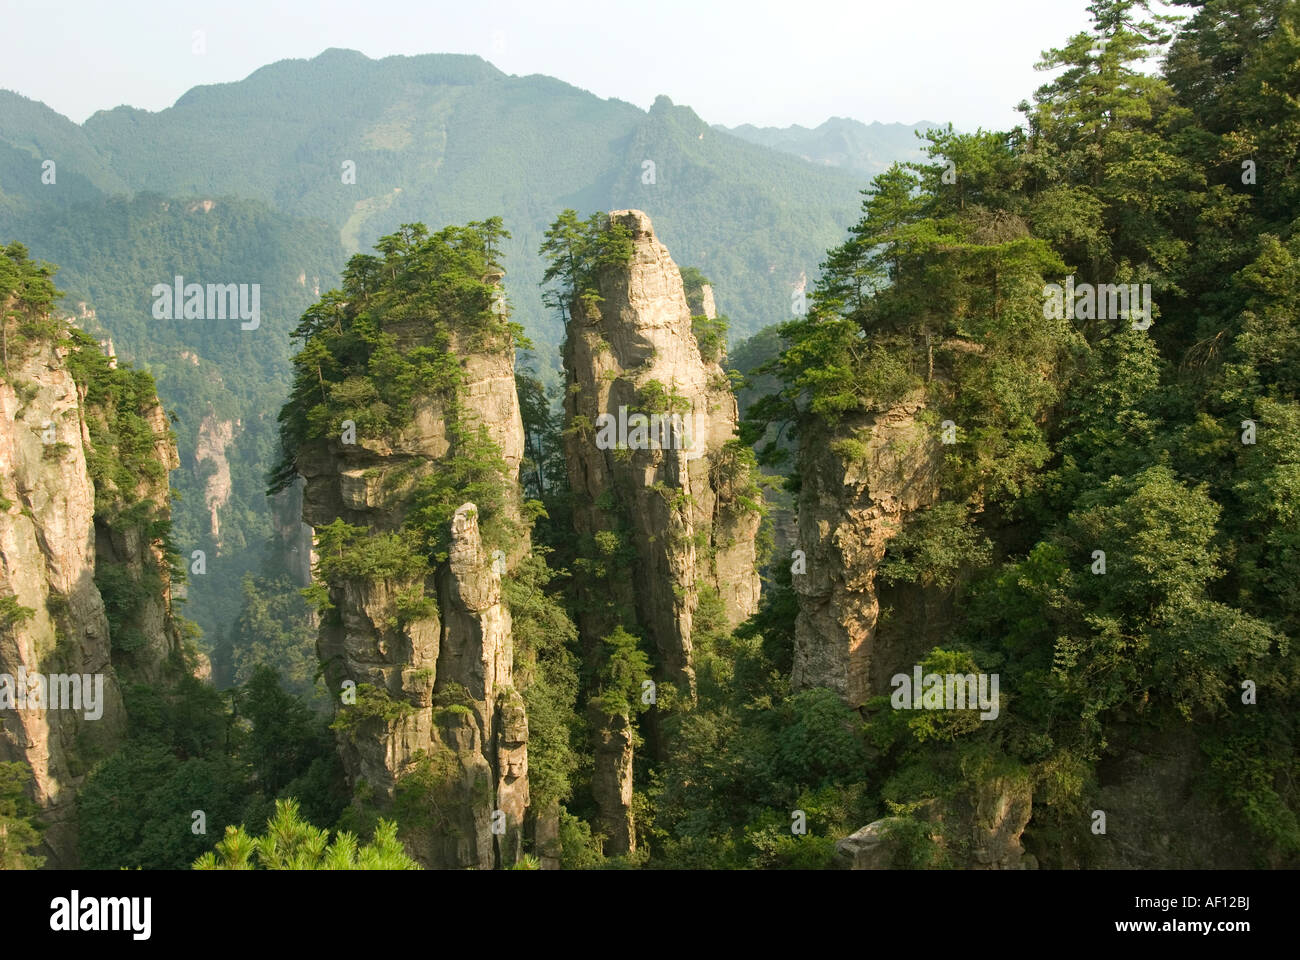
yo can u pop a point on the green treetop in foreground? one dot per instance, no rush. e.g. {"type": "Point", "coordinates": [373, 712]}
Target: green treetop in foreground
{"type": "Point", "coordinates": [291, 843]}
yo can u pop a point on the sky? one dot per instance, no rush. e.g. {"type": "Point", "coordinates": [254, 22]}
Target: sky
{"type": "Point", "coordinates": [733, 61]}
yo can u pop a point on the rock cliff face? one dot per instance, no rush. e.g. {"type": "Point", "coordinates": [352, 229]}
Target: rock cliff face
{"type": "Point", "coordinates": [861, 481]}
{"type": "Point", "coordinates": [214, 437]}
{"type": "Point", "coordinates": [853, 499]}
{"type": "Point", "coordinates": [66, 550]}
{"type": "Point", "coordinates": [1159, 816]}
{"type": "Point", "coordinates": [675, 487]}
{"type": "Point", "coordinates": [447, 733]}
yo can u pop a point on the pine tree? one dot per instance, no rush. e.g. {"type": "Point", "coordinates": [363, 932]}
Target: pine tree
{"type": "Point", "coordinates": [290, 843]}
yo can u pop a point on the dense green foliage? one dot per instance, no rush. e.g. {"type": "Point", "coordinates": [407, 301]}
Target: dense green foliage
{"type": "Point", "coordinates": [749, 754]}
{"type": "Point", "coordinates": [20, 830]}
{"type": "Point", "coordinates": [27, 294]}
{"type": "Point", "coordinates": [275, 628]}
{"type": "Point", "coordinates": [576, 252]}
{"type": "Point", "coordinates": [1084, 435]}
{"type": "Point", "coordinates": [1117, 534]}
{"type": "Point", "coordinates": [191, 749]}
{"type": "Point", "coordinates": [546, 669]}
{"type": "Point", "coordinates": [26, 287]}
{"type": "Point", "coordinates": [132, 495]}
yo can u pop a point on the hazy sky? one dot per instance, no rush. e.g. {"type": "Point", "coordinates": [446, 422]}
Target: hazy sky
{"type": "Point", "coordinates": [757, 61]}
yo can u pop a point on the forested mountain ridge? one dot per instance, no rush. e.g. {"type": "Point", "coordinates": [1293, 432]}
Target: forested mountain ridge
{"type": "Point", "coordinates": [447, 139]}
{"type": "Point", "coordinates": [842, 142]}
{"type": "Point", "coordinates": [274, 179]}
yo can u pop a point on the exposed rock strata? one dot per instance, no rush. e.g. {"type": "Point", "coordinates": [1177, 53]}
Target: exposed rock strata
{"type": "Point", "coordinates": [52, 540]}
{"type": "Point", "coordinates": [849, 510]}
{"type": "Point", "coordinates": [680, 502]}
{"type": "Point", "coordinates": [462, 734]}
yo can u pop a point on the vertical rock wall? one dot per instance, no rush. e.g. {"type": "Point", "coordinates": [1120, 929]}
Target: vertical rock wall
{"type": "Point", "coordinates": [462, 732]}
{"type": "Point", "coordinates": [678, 501]}
{"type": "Point", "coordinates": [849, 510]}
{"type": "Point", "coordinates": [51, 540]}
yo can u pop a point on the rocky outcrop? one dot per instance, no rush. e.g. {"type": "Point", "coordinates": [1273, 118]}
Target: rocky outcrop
{"type": "Point", "coordinates": [977, 829]}
{"type": "Point", "coordinates": [701, 302]}
{"type": "Point", "coordinates": [675, 488]}
{"type": "Point", "coordinates": [870, 848]}
{"type": "Point", "coordinates": [639, 336]}
{"type": "Point", "coordinates": [860, 481]}
{"type": "Point", "coordinates": [611, 778]}
{"type": "Point", "coordinates": [997, 819]}
{"type": "Point", "coordinates": [1151, 787]}
{"type": "Point", "coordinates": [59, 534]}
{"type": "Point", "coordinates": [214, 436]}
{"type": "Point", "coordinates": [439, 730]}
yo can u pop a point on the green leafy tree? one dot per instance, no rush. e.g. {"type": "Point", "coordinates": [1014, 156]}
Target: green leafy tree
{"type": "Point", "coordinates": [576, 252]}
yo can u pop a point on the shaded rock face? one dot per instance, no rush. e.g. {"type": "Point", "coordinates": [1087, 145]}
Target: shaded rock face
{"type": "Point", "coordinates": [464, 739]}
{"type": "Point", "coordinates": [849, 510]}
{"type": "Point", "coordinates": [51, 541]}
{"type": "Point", "coordinates": [702, 303]}
{"type": "Point", "coordinates": [678, 499]}
{"type": "Point", "coordinates": [294, 538]}
{"type": "Point", "coordinates": [1160, 812]}
{"type": "Point", "coordinates": [611, 779]}
{"type": "Point", "coordinates": [214, 437]}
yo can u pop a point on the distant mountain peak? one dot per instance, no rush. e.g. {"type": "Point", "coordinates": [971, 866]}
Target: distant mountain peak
{"type": "Point", "coordinates": [841, 142]}
{"type": "Point", "coordinates": [338, 53]}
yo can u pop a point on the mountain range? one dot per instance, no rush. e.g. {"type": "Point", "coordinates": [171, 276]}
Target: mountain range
{"type": "Point", "coordinates": [275, 179]}
{"type": "Point", "coordinates": [843, 143]}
